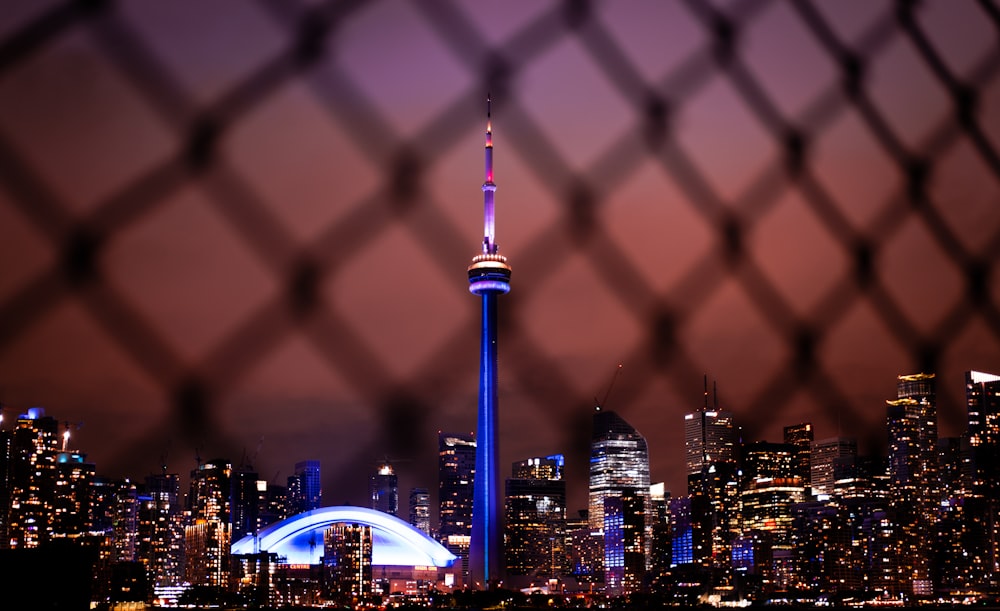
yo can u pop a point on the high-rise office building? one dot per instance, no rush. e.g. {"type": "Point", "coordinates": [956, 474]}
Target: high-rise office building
{"type": "Point", "coordinates": [981, 470]}
{"type": "Point", "coordinates": [913, 479]}
{"type": "Point", "coordinates": [420, 509]}
{"type": "Point", "coordinates": [583, 550]}
{"type": "Point", "coordinates": [826, 560]}
{"type": "Point", "coordinates": [963, 547]}
{"type": "Point", "coordinates": [769, 460]}
{"type": "Point", "coordinates": [771, 488]}
{"type": "Point", "coordinates": [661, 536]}
{"type": "Point", "coordinates": [273, 503]}
{"type": "Point", "coordinates": [244, 501]}
{"type": "Point", "coordinates": [619, 459]}
{"type": "Point", "coordinates": [825, 454]}
{"type": "Point", "coordinates": [711, 444]}
{"type": "Point", "coordinates": [625, 540]}
{"type": "Point", "coordinates": [619, 469]}
{"type": "Point", "coordinates": [489, 277]}
{"type": "Point", "coordinates": [801, 436]}
{"type": "Point", "coordinates": [688, 542]}
{"type": "Point", "coordinates": [710, 439]}
{"type": "Point", "coordinates": [861, 477]}
{"type": "Point", "coordinates": [535, 510]}
{"type": "Point", "coordinates": [304, 488]}
{"type": "Point", "coordinates": [383, 489]}
{"type": "Point", "coordinates": [207, 539]}
{"type": "Point", "coordinates": [982, 396]}
{"type": "Point", "coordinates": [954, 467]}
{"type": "Point", "coordinates": [456, 474]}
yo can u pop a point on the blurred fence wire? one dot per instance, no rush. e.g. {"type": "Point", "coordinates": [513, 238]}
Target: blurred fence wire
{"type": "Point", "coordinates": [301, 53]}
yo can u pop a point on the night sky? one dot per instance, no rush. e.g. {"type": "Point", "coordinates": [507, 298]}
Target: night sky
{"type": "Point", "coordinates": [241, 228]}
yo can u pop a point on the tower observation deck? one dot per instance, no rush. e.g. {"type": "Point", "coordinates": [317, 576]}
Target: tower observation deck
{"type": "Point", "coordinates": [489, 276]}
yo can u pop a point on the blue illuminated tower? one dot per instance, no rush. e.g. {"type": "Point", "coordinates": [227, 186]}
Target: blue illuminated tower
{"type": "Point", "coordinates": [489, 276]}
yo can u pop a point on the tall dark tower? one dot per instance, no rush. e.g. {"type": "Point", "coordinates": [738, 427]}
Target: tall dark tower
{"type": "Point", "coordinates": [489, 276]}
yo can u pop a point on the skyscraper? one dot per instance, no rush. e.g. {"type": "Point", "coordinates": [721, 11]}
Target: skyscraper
{"type": "Point", "coordinates": [71, 496]}
{"type": "Point", "coordinates": [420, 509]}
{"type": "Point", "coordinates": [661, 536]}
{"type": "Point", "coordinates": [347, 559]}
{"type": "Point", "coordinates": [982, 505]}
{"type": "Point", "coordinates": [31, 481]}
{"type": "Point", "coordinates": [770, 490]}
{"type": "Point", "coordinates": [244, 501]}
{"type": "Point", "coordinates": [710, 439]}
{"type": "Point", "coordinates": [489, 276]}
{"type": "Point", "coordinates": [619, 483]}
{"type": "Point", "coordinates": [456, 474]}
{"type": "Point", "coordinates": [304, 488]}
{"type": "Point", "coordinates": [913, 479]}
{"type": "Point", "coordinates": [383, 489]}
{"type": "Point", "coordinates": [982, 396]}
{"type": "Point", "coordinates": [125, 523]}
{"type": "Point", "coordinates": [619, 459]}
{"type": "Point", "coordinates": [207, 539]}
{"type": "Point", "coordinates": [710, 448]}
{"type": "Point", "coordinates": [826, 453]}
{"type": "Point", "coordinates": [535, 510]}
{"type": "Point", "coordinates": [625, 540]}
{"type": "Point", "coordinates": [801, 436]}
{"type": "Point", "coordinates": [161, 530]}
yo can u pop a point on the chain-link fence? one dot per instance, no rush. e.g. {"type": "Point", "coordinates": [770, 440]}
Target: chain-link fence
{"type": "Point", "coordinates": [250, 220]}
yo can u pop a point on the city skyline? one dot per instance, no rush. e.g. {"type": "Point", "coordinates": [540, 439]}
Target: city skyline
{"type": "Point", "coordinates": [761, 521]}
{"type": "Point", "coordinates": [206, 235]}
{"type": "Point", "coordinates": [584, 489]}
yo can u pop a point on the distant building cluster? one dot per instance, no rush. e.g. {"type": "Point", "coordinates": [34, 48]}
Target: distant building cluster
{"type": "Point", "coordinates": [800, 520]}
{"type": "Point", "coordinates": [805, 520]}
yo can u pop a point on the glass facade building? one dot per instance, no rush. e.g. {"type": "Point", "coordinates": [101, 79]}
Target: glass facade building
{"type": "Point", "coordinates": [535, 512]}
{"type": "Point", "coordinates": [456, 475]}
{"type": "Point", "coordinates": [619, 459]}
{"type": "Point", "coordinates": [383, 489]}
{"type": "Point", "coordinates": [826, 454]}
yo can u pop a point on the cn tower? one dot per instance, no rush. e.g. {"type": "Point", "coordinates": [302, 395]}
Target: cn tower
{"type": "Point", "coordinates": [489, 276]}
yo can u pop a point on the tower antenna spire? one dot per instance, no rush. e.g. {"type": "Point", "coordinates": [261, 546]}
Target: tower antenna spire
{"type": "Point", "coordinates": [489, 187]}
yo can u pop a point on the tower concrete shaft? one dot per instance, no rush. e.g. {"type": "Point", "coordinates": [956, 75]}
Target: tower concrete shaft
{"type": "Point", "coordinates": [489, 276]}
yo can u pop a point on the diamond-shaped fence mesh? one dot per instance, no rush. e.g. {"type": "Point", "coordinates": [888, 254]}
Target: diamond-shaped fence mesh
{"type": "Point", "coordinates": [246, 219]}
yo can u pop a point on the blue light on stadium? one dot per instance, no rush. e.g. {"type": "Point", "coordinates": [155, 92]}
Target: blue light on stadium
{"type": "Point", "coordinates": [299, 539]}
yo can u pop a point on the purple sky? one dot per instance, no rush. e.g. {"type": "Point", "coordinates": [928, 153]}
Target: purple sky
{"type": "Point", "coordinates": [391, 358]}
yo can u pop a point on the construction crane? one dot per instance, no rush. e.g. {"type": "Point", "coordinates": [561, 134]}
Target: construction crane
{"type": "Point", "coordinates": [599, 404]}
